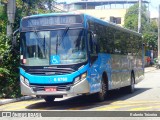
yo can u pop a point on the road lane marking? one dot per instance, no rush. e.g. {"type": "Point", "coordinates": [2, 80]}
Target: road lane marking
{"type": "Point", "coordinates": [141, 108]}
{"type": "Point", "coordinates": [9, 105]}
{"type": "Point", "coordinates": [20, 102]}
{"type": "Point", "coordinates": [113, 107]}
{"type": "Point", "coordinates": [110, 106]}
{"type": "Point", "coordinates": [26, 103]}
{"type": "Point", "coordinates": [76, 108]}
{"type": "Point", "coordinates": [144, 108]}
{"type": "Point", "coordinates": [134, 102]}
{"type": "Point", "coordinates": [117, 106]}
{"type": "Point", "coordinates": [16, 108]}
{"type": "Point", "coordinates": [109, 103]}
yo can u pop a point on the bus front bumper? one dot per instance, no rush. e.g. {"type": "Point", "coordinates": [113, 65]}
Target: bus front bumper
{"type": "Point", "coordinates": [80, 88]}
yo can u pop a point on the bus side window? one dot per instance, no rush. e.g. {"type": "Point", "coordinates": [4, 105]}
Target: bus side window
{"type": "Point", "coordinates": [89, 42]}
{"type": "Point", "coordinates": [92, 47]}
{"type": "Point", "coordinates": [95, 44]}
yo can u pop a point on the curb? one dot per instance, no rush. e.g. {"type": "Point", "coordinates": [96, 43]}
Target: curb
{"type": "Point", "coordinates": [6, 101]}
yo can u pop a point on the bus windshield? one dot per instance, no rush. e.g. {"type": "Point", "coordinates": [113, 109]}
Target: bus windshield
{"type": "Point", "coordinates": [44, 48]}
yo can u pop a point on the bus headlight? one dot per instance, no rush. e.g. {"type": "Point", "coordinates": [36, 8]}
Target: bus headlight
{"type": "Point", "coordinates": [84, 75]}
{"type": "Point", "coordinates": [24, 80]}
{"type": "Point", "coordinates": [79, 78]}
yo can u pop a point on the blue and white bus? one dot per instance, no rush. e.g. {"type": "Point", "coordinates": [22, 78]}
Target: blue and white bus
{"type": "Point", "coordinates": [75, 54]}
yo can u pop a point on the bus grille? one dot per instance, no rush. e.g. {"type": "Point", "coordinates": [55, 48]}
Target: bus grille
{"type": "Point", "coordinates": [50, 71]}
{"type": "Point", "coordinates": [59, 87]}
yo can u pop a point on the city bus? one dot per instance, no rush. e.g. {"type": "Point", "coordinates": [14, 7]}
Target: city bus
{"type": "Point", "coordinates": [70, 54]}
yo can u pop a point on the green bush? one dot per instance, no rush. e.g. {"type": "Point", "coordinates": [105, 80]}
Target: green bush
{"type": "Point", "coordinates": [9, 56]}
{"type": "Point", "coordinates": [9, 73]}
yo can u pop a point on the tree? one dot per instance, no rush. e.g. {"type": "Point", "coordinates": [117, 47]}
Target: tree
{"type": "Point", "coordinates": [131, 18]}
{"type": "Point", "coordinates": [149, 28]}
{"type": "Point", "coordinates": [9, 55]}
{"type": "Point", "coordinates": [42, 6]}
{"type": "Point", "coordinates": [3, 18]}
{"type": "Point", "coordinates": [151, 35]}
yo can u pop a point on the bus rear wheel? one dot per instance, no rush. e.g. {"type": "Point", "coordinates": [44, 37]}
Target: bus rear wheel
{"type": "Point", "coordinates": [100, 96]}
{"type": "Point", "coordinates": [131, 88]}
{"type": "Point", "coordinates": [49, 99]}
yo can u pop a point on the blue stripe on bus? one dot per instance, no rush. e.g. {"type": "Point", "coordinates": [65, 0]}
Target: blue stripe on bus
{"type": "Point", "coordinates": [53, 79]}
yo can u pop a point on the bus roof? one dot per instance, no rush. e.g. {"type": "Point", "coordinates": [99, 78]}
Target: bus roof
{"type": "Point", "coordinates": [51, 14]}
{"type": "Point", "coordinates": [100, 21]}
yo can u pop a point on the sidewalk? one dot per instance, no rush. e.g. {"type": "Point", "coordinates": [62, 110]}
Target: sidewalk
{"type": "Point", "coordinates": [5, 101]}
{"type": "Point", "coordinates": [149, 69]}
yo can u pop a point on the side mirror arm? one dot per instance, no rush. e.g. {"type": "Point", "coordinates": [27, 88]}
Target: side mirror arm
{"type": "Point", "coordinates": [14, 38]}
{"type": "Point", "coordinates": [15, 32]}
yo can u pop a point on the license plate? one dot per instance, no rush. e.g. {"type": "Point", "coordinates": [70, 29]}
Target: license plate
{"type": "Point", "coordinates": [50, 89]}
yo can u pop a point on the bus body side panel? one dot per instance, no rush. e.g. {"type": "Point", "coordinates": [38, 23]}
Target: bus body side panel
{"type": "Point", "coordinates": [120, 71]}
{"type": "Point", "coordinates": [140, 65]}
{"type": "Point", "coordinates": [139, 70]}
{"type": "Point", "coordinates": [101, 65]}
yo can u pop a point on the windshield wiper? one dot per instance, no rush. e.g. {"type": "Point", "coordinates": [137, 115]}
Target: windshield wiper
{"type": "Point", "coordinates": [44, 46]}
{"type": "Point", "coordinates": [57, 44]}
{"type": "Point", "coordinates": [38, 39]}
{"type": "Point", "coordinates": [62, 38]}
{"type": "Point", "coordinates": [64, 34]}
{"type": "Point", "coordinates": [39, 42]}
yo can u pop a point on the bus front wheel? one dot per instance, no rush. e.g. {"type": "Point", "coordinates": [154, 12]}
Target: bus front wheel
{"type": "Point", "coordinates": [49, 99]}
{"type": "Point", "coordinates": [100, 96]}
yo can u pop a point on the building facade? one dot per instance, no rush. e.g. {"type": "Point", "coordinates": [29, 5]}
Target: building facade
{"type": "Point", "coordinates": [110, 10]}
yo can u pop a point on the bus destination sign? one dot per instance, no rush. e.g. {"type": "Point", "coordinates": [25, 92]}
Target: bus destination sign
{"type": "Point", "coordinates": [51, 20]}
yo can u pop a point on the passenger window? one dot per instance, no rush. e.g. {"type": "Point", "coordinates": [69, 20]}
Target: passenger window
{"type": "Point", "coordinates": [92, 43]}
{"type": "Point", "coordinates": [89, 41]}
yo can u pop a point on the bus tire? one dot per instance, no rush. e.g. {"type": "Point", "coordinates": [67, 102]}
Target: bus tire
{"type": "Point", "coordinates": [131, 88]}
{"type": "Point", "coordinates": [49, 99]}
{"type": "Point", "coordinates": [100, 96]}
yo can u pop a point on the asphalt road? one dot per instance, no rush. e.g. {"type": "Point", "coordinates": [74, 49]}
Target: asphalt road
{"type": "Point", "coordinates": [145, 98]}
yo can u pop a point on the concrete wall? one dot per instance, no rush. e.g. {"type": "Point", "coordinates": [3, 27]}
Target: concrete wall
{"type": "Point", "coordinates": [106, 13]}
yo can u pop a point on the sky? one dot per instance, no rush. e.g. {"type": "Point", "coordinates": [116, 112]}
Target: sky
{"type": "Point", "coordinates": [154, 5]}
